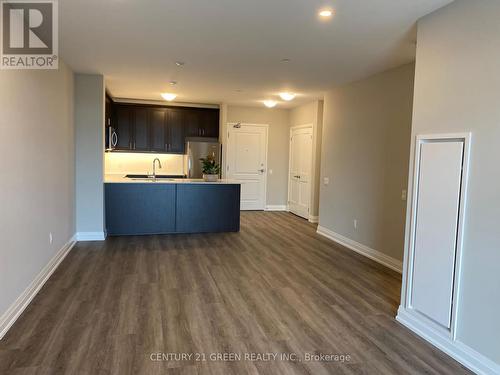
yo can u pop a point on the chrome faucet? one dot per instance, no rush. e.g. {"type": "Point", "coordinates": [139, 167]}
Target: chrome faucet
{"type": "Point", "coordinates": [154, 167]}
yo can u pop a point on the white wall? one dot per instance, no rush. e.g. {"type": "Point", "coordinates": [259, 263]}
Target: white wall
{"type": "Point", "coordinates": [278, 121]}
{"type": "Point", "coordinates": [312, 113]}
{"type": "Point", "coordinates": [89, 125]}
{"type": "Point", "coordinates": [365, 146]}
{"type": "Point", "coordinates": [36, 174]}
{"type": "Point", "coordinates": [457, 89]}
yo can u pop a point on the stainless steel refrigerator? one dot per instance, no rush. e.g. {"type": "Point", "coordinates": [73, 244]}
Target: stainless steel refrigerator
{"type": "Point", "coordinates": [196, 149]}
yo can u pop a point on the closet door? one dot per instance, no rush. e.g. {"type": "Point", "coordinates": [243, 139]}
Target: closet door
{"type": "Point", "coordinates": [436, 227]}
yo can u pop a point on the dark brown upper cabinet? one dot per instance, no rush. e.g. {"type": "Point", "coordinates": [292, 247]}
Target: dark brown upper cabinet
{"type": "Point", "coordinates": [175, 126]}
{"type": "Point", "coordinates": [202, 122]}
{"type": "Point", "coordinates": [210, 123]}
{"type": "Point", "coordinates": [123, 128]}
{"type": "Point", "coordinates": [193, 123]}
{"type": "Point", "coordinates": [158, 130]}
{"type": "Point", "coordinates": [149, 128]}
{"type": "Point", "coordinates": [141, 133]}
{"type": "Point", "coordinates": [109, 111]}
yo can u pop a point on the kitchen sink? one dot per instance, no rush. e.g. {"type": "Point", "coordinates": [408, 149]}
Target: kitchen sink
{"type": "Point", "coordinates": [158, 176]}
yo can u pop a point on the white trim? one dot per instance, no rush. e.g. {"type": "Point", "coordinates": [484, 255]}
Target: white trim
{"type": "Point", "coordinates": [20, 304]}
{"type": "Point", "coordinates": [313, 219]}
{"type": "Point", "coordinates": [266, 126]}
{"type": "Point", "coordinates": [164, 103]}
{"type": "Point", "coordinates": [90, 236]}
{"type": "Point", "coordinates": [311, 184]}
{"type": "Point", "coordinates": [276, 207]}
{"type": "Point", "coordinates": [359, 248]}
{"type": "Point", "coordinates": [305, 126]}
{"type": "Point", "coordinates": [407, 284]}
{"type": "Point", "coordinates": [455, 349]}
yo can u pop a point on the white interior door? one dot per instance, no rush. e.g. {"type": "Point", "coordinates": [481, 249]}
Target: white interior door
{"type": "Point", "coordinates": [300, 165]}
{"type": "Point", "coordinates": [247, 163]}
{"type": "Point", "coordinates": [436, 228]}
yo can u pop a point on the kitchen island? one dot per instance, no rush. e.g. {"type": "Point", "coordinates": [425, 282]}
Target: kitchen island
{"type": "Point", "coordinates": [165, 206]}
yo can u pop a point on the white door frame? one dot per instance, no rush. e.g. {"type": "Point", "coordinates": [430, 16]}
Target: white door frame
{"type": "Point", "coordinates": [228, 139]}
{"type": "Point", "coordinates": [407, 286]}
{"type": "Point", "coordinates": [311, 180]}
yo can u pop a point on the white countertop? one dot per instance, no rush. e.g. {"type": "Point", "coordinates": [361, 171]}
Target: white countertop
{"type": "Point", "coordinates": [121, 179]}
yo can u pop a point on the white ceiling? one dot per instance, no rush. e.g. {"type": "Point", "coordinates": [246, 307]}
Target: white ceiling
{"type": "Point", "coordinates": [230, 45]}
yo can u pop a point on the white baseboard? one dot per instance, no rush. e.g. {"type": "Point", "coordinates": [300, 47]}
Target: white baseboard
{"type": "Point", "coordinates": [314, 219]}
{"type": "Point", "coordinates": [90, 236]}
{"type": "Point", "coordinates": [368, 252]}
{"type": "Point", "coordinates": [278, 207]}
{"type": "Point", "coordinates": [20, 304]}
{"type": "Point", "coordinates": [459, 351]}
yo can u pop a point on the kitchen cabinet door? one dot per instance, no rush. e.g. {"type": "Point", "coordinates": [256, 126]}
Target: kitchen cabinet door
{"type": "Point", "coordinates": [175, 126]}
{"type": "Point", "coordinates": [193, 123]}
{"type": "Point", "coordinates": [202, 122]}
{"type": "Point", "coordinates": [157, 117]}
{"type": "Point", "coordinates": [141, 129]}
{"type": "Point", "coordinates": [123, 128]}
{"type": "Point", "coordinates": [108, 112]}
{"type": "Point", "coordinates": [210, 123]}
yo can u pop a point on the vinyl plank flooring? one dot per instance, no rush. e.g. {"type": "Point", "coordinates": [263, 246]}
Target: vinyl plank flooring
{"type": "Point", "coordinates": [274, 287]}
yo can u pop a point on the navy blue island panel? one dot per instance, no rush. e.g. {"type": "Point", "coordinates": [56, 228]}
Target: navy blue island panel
{"type": "Point", "coordinates": [208, 208]}
{"type": "Point", "coordinates": [158, 208]}
{"type": "Point", "coordinates": [140, 208]}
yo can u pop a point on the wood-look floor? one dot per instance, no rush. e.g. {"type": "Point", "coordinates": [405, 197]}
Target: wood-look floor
{"type": "Point", "coordinates": [275, 287]}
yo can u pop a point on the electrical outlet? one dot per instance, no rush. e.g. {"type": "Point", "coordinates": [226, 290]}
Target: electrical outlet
{"type": "Point", "coordinates": [326, 180]}
{"type": "Point", "coordinates": [355, 223]}
{"type": "Point", "coordinates": [50, 238]}
{"type": "Point", "coordinates": [403, 195]}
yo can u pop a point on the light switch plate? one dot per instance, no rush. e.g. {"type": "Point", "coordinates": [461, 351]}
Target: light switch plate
{"type": "Point", "coordinates": [326, 180]}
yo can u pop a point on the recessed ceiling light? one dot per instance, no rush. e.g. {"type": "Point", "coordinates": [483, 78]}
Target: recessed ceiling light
{"type": "Point", "coordinates": [270, 103]}
{"type": "Point", "coordinates": [325, 13]}
{"type": "Point", "coordinates": [287, 96]}
{"type": "Point", "coordinates": [285, 60]}
{"type": "Point", "coordinates": [173, 83]}
{"type": "Point", "coordinates": [168, 96]}
{"type": "Point", "coordinates": [179, 63]}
